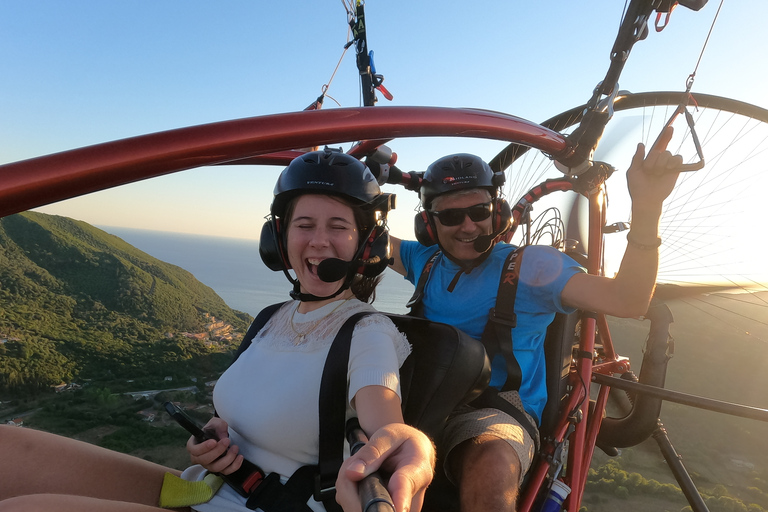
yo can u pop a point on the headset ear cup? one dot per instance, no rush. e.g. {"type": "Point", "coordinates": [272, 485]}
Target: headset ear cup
{"type": "Point", "coordinates": [503, 217]}
{"type": "Point", "coordinates": [270, 247]}
{"type": "Point", "coordinates": [377, 245]}
{"type": "Point", "coordinates": [424, 230]}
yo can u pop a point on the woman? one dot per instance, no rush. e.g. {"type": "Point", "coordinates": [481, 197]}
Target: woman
{"type": "Point", "coordinates": [327, 227]}
{"type": "Point", "coordinates": [327, 208]}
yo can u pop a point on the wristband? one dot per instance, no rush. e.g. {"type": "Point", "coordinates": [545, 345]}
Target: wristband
{"type": "Point", "coordinates": [643, 247]}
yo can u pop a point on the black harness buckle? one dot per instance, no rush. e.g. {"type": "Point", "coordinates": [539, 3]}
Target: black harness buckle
{"type": "Point", "coordinates": [508, 319]}
{"type": "Point", "coordinates": [321, 493]}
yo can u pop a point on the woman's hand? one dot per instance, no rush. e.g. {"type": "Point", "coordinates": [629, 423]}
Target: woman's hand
{"type": "Point", "coordinates": [400, 450]}
{"type": "Point", "coordinates": [215, 455]}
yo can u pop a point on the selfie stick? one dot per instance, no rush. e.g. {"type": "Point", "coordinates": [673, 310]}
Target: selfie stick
{"type": "Point", "coordinates": [374, 497]}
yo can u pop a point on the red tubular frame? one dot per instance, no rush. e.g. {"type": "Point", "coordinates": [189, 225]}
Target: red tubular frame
{"type": "Point", "coordinates": [582, 441]}
{"type": "Point", "coordinates": [272, 140]}
{"type": "Point", "coordinates": [39, 181]}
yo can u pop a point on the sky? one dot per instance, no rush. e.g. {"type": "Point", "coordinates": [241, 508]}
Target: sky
{"type": "Point", "coordinates": [82, 72]}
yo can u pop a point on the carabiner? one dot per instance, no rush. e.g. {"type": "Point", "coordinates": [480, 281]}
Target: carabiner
{"type": "Point", "coordinates": [682, 108]}
{"type": "Point", "coordinates": [606, 104]}
{"type": "Point", "coordinates": [661, 26]}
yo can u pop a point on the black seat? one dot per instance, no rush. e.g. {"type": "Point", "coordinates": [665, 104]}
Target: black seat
{"type": "Point", "coordinates": [558, 351]}
{"type": "Point", "coordinates": [446, 368]}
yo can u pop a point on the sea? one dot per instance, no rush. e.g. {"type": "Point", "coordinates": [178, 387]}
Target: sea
{"type": "Point", "coordinates": [233, 268]}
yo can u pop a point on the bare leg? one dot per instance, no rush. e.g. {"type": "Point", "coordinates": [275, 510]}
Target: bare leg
{"type": "Point", "coordinates": [488, 470]}
{"type": "Point", "coordinates": [36, 462]}
{"type": "Point", "coordinates": [67, 503]}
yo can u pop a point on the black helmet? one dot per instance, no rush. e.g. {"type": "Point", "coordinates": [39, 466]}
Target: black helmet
{"type": "Point", "coordinates": [325, 172]}
{"type": "Point", "coordinates": [458, 172]}
{"type": "Point", "coordinates": [330, 172]}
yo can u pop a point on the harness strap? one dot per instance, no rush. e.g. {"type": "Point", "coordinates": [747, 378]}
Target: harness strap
{"type": "Point", "coordinates": [415, 302]}
{"type": "Point", "coordinates": [318, 481]}
{"type": "Point", "coordinates": [333, 409]}
{"type": "Point", "coordinates": [258, 322]}
{"type": "Point", "coordinates": [272, 496]}
{"type": "Point", "coordinates": [497, 335]}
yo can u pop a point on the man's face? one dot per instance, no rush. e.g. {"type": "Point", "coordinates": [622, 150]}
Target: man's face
{"type": "Point", "coordinates": [458, 240]}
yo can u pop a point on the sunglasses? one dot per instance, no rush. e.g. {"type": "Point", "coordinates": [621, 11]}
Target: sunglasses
{"type": "Point", "coordinates": [455, 216]}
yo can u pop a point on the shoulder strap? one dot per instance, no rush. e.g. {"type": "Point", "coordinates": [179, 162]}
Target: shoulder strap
{"type": "Point", "coordinates": [497, 335]}
{"type": "Point", "coordinates": [497, 338]}
{"type": "Point", "coordinates": [261, 319]}
{"type": "Point", "coordinates": [333, 408]}
{"type": "Point", "coordinates": [414, 303]}
{"type": "Point", "coordinates": [317, 481]}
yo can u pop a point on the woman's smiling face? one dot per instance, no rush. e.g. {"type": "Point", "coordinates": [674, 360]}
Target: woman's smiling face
{"type": "Point", "coordinates": [319, 227]}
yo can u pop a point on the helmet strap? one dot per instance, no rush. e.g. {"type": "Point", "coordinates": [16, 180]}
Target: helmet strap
{"type": "Point", "coordinates": [308, 297]}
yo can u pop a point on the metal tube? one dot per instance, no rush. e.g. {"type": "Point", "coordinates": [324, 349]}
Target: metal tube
{"type": "Point", "coordinates": [675, 464]}
{"type": "Point", "coordinates": [710, 404]}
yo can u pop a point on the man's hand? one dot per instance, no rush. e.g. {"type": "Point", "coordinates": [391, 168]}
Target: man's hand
{"type": "Point", "coordinates": [400, 450]}
{"type": "Point", "coordinates": [651, 178]}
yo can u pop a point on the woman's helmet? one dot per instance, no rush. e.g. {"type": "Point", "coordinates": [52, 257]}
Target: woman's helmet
{"type": "Point", "coordinates": [326, 172]}
{"type": "Point", "coordinates": [330, 172]}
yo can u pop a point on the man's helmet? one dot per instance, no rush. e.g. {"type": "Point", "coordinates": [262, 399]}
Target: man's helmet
{"type": "Point", "coordinates": [458, 172]}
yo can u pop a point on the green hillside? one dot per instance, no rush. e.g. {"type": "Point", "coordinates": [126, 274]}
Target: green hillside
{"type": "Point", "coordinates": [79, 303]}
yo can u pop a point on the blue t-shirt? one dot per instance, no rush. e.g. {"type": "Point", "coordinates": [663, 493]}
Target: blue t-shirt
{"type": "Point", "coordinates": [543, 275]}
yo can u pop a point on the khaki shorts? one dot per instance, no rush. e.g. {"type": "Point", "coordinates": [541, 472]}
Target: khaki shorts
{"type": "Point", "coordinates": [467, 422]}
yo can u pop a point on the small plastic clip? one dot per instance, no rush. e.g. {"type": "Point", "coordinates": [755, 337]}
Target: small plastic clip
{"type": "Point", "coordinates": [662, 25]}
{"type": "Point", "coordinates": [385, 92]}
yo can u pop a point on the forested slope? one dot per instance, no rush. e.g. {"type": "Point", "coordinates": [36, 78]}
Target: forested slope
{"type": "Point", "coordinates": [79, 303]}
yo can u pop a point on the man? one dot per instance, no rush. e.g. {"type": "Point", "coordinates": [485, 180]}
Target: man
{"type": "Point", "coordinates": [488, 450]}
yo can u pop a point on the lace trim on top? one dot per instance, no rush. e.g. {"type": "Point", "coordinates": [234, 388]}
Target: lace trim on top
{"type": "Point", "coordinates": [278, 334]}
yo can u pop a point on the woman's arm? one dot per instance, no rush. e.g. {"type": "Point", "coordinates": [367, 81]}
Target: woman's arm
{"type": "Point", "coordinates": [399, 449]}
{"type": "Point", "coordinates": [377, 406]}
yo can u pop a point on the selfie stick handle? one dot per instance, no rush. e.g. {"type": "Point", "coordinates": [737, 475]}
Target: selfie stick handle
{"type": "Point", "coordinates": [374, 497]}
